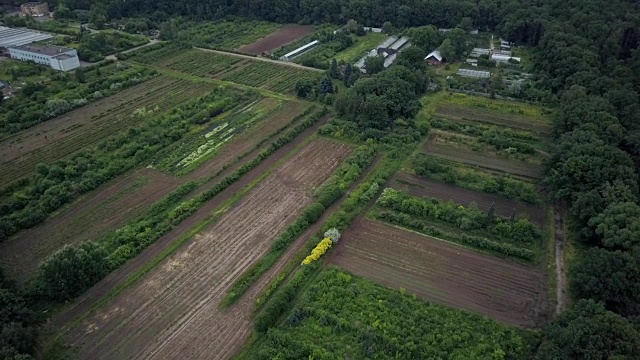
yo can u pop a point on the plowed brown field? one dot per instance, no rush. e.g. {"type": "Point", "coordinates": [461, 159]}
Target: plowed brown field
{"type": "Point", "coordinates": [418, 186]}
{"type": "Point", "coordinates": [276, 39]}
{"type": "Point", "coordinates": [173, 313]}
{"type": "Point", "coordinates": [444, 273]}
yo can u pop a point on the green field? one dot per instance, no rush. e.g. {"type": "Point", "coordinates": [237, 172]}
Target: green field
{"type": "Point", "coordinates": [363, 45]}
{"type": "Point", "coordinates": [341, 316]}
{"type": "Point", "coordinates": [228, 35]}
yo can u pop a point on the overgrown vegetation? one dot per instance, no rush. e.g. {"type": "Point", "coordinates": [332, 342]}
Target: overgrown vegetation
{"type": "Point", "coordinates": [358, 319]}
{"type": "Point", "coordinates": [475, 179]}
{"type": "Point", "coordinates": [48, 93]}
{"type": "Point", "coordinates": [465, 218]}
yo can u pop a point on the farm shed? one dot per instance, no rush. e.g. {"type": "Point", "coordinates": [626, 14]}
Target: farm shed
{"type": "Point", "coordinates": [474, 73]}
{"type": "Point", "coordinates": [17, 37]}
{"type": "Point", "coordinates": [477, 52]}
{"type": "Point", "coordinates": [434, 58]}
{"type": "Point", "coordinates": [388, 42]}
{"type": "Point", "coordinates": [500, 58]}
{"type": "Point", "coordinates": [372, 29]}
{"type": "Point", "coordinates": [57, 57]}
{"type": "Point", "coordinates": [299, 51]}
{"type": "Point", "coordinates": [472, 62]}
{"type": "Point", "coordinates": [398, 45]}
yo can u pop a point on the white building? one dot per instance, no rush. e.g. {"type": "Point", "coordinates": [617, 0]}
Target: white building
{"type": "Point", "coordinates": [57, 57]}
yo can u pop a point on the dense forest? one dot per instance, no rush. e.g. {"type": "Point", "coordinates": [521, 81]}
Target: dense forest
{"type": "Point", "coordinates": [586, 54]}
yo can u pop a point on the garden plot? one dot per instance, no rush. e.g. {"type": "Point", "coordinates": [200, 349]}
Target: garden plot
{"type": "Point", "coordinates": [444, 273]}
{"type": "Point", "coordinates": [91, 217]}
{"type": "Point", "coordinates": [464, 154]}
{"type": "Point", "coordinates": [173, 313]}
{"type": "Point", "coordinates": [487, 116]}
{"type": "Point", "coordinates": [268, 75]}
{"type": "Point", "coordinates": [421, 187]}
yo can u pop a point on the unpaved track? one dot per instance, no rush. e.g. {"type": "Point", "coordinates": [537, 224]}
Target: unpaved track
{"type": "Point", "coordinates": [444, 273]}
{"type": "Point", "coordinates": [173, 312]}
{"type": "Point", "coordinates": [561, 275]}
{"type": "Point", "coordinates": [418, 186]}
{"type": "Point", "coordinates": [290, 64]}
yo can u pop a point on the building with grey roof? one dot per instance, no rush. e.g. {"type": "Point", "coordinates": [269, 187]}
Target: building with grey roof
{"type": "Point", "coordinates": [57, 57]}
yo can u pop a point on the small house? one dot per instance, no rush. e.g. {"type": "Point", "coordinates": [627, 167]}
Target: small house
{"type": "Point", "coordinates": [434, 58]}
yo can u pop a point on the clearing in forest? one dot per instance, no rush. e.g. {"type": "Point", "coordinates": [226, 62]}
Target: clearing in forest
{"type": "Point", "coordinates": [68, 133]}
{"type": "Point", "coordinates": [276, 39]}
{"type": "Point", "coordinates": [173, 312]}
{"type": "Point", "coordinates": [444, 273]}
{"type": "Point", "coordinates": [421, 187]}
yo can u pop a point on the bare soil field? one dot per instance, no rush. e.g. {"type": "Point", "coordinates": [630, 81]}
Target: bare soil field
{"type": "Point", "coordinates": [276, 39]}
{"type": "Point", "coordinates": [444, 273]}
{"type": "Point", "coordinates": [478, 115]}
{"type": "Point", "coordinates": [66, 134]}
{"type": "Point", "coordinates": [92, 216]}
{"type": "Point", "coordinates": [464, 154]}
{"type": "Point", "coordinates": [422, 187]}
{"type": "Point", "coordinates": [173, 313]}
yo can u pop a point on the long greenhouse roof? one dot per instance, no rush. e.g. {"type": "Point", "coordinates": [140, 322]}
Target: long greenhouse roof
{"type": "Point", "coordinates": [17, 37]}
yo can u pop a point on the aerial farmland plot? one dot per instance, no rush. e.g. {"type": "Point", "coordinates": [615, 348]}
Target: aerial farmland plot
{"type": "Point", "coordinates": [262, 74]}
{"type": "Point", "coordinates": [169, 314]}
{"type": "Point", "coordinates": [439, 146]}
{"type": "Point", "coordinates": [243, 132]}
{"type": "Point", "coordinates": [444, 273]}
{"type": "Point", "coordinates": [421, 187]}
{"type": "Point", "coordinates": [513, 115]}
{"type": "Point", "coordinates": [66, 134]}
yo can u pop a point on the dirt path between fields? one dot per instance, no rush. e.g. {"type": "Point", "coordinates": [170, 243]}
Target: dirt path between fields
{"type": "Point", "coordinates": [104, 287]}
{"type": "Point", "coordinates": [560, 230]}
{"type": "Point", "coordinates": [290, 64]}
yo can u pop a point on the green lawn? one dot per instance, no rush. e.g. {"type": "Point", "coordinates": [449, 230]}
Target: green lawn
{"type": "Point", "coordinates": [363, 44]}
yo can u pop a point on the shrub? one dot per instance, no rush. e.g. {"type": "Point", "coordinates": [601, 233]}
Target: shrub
{"type": "Point", "coordinates": [72, 270]}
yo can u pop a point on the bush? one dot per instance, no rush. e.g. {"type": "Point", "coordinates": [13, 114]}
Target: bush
{"type": "Point", "coordinates": [72, 270]}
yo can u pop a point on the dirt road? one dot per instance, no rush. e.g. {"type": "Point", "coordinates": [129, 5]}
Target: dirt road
{"type": "Point", "coordinates": [290, 64]}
